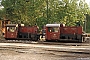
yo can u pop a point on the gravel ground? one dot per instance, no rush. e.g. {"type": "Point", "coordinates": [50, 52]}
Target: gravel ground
{"type": "Point", "coordinates": [33, 52]}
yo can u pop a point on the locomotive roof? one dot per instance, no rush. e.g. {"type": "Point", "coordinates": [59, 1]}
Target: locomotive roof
{"type": "Point", "coordinates": [11, 25]}
{"type": "Point", "coordinates": [52, 25]}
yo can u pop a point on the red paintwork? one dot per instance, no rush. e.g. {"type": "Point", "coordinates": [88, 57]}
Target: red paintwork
{"type": "Point", "coordinates": [20, 29]}
{"type": "Point", "coordinates": [25, 29]}
{"type": "Point", "coordinates": [71, 30]}
{"type": "Point", "coordinates": [9, 34]}
{"type": "Point", "coordinates": [52, 35]}
{"type": "Point", "coordinates": [64, 30]}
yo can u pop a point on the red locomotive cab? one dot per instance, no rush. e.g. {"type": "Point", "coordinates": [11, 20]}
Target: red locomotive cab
{"type": "Point", "coordinates": [11, 31]}
{"type": "Point", "coordinates": [52, 32]}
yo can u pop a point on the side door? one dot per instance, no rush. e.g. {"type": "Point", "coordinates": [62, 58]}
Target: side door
{"type": "Point", "coordinates": [55, 33]}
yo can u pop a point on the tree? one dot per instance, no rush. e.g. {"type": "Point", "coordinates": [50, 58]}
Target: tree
{"type": "Point", "coordinates": [41, 12]}
{"type": "Point", "coordinates": [69, 11]}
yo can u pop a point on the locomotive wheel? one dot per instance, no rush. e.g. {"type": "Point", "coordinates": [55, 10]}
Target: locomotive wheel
{"type": "Point", "coordinates": [81, 40]}
{"type": "Point", "coordinates": [47, 40]}
{"type": "Point", "coordinates": [35, 39]}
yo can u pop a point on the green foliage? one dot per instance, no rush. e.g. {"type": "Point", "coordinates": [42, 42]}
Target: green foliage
{"type": "Point", "coordinates": [41, 12]}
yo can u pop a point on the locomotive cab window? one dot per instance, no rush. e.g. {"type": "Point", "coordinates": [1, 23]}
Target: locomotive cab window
{"type": "Point", "coordinates": [11, 29]}
{"type": "Point", "coordinates": [53, 29]}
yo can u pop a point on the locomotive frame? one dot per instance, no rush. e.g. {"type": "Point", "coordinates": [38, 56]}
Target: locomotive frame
{"type": "Point", "coordinates": [53, 32]}
{"type": "Point", "coordinates": [19, 31]}
{"type": "Point", "coordinates": [59, 32]}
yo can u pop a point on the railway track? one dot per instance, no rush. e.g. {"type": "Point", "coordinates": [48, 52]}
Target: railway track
{"type": "Point", "coordinates": [46, 43]}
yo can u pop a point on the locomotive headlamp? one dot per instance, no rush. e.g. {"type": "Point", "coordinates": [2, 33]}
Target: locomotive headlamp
{"type": "Point", "coordinates": [17, 25]}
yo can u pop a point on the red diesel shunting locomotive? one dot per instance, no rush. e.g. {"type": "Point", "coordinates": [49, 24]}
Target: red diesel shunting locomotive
{"type": "Point", "coordinates": [53, 32]}
{"type": "Point", "coordinates": [19, 31]}
{"type": "Point", "coordinates": [61, 32]}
